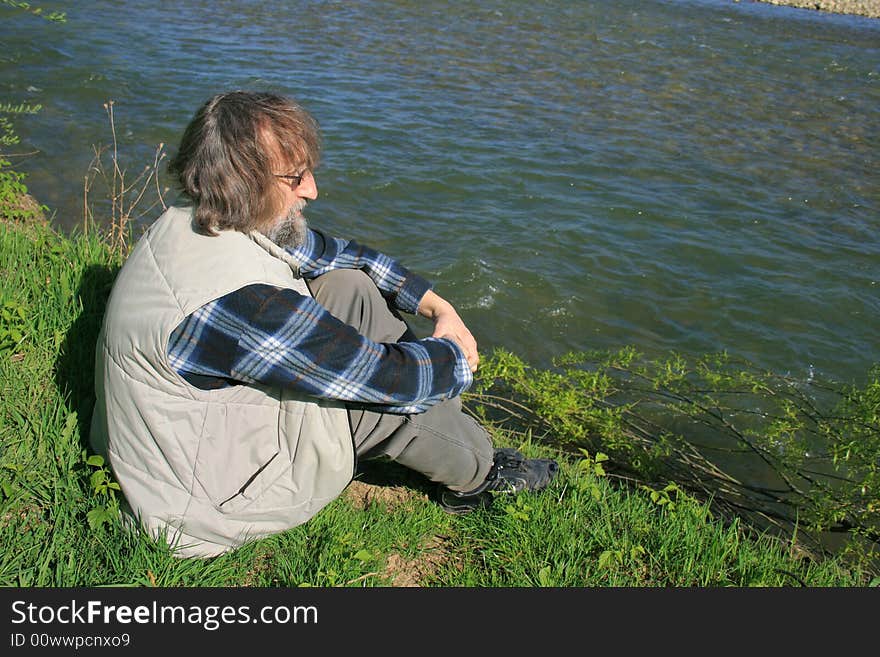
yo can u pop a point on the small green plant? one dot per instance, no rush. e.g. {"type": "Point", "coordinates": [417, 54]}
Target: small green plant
{"type": "Point", "coordinates": [591, 465]}
{"type": "Point", "coordinates": [15, 204]}
{"type": "Point", "coordinates": [364, 556]}
{"type": "Point", "coordinates": [7, 132]}
{"type": "Point", "coordinates": [664, 496]}
{"type": "Point", "coordinates": [632, 556]}
{"type": "Point", "coordinates": [8, 484]}
{"type": "Point", "coordinates": [545, 577]}
{"type": "Point", "coordinates": [654, 418]}
{"type": "Point", "coordinates": [8, 137]}
{"type": "Point", "coordinates": [105, 488]}
{"type": "Point", "coordinates": [13, 325]}
{"type": "Point", "coordinates": [609, 558]}
{"type": "Point", "coordinates": [54, 16]}
{"type": "Point", "coordinates": [519, 509]}
{"type": "Point", "coordinates": [328, 578]}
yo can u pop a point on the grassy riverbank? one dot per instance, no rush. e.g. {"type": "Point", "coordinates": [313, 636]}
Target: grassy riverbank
{"type": "Point", "coordinates": [58, 527]}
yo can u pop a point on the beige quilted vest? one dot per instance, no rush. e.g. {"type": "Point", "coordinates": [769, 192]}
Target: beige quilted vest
{"type": "Point", "coordinates": [208, 469]}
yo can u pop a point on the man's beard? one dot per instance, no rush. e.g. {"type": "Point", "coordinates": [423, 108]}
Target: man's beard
{"type": "Point", "coordinates": [290, 231]}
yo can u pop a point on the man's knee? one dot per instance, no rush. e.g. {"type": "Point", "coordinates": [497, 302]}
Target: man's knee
{"type": "Point", "coordinates": [352, 297]}
{"type": "Point", "coordinates": [343, 284]}
{"type": "Point", "coordinates": [346, 293]}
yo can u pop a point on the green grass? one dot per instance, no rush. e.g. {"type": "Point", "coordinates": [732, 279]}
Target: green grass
{"type": "Point", "coordinates": [587, 529]}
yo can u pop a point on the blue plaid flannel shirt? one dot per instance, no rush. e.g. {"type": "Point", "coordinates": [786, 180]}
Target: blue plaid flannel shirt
{"type": "Point", "coordinates": [277, 337]}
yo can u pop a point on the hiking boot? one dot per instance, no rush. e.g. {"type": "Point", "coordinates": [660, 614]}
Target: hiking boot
{"type": "Point", "coordinates": [511, 472]}
{"type": "Point", "coordinates": [459, 503]}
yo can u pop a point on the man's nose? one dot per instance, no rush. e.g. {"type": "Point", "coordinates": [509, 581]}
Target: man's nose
{"type": "Point", "coordinates": [308, 188]}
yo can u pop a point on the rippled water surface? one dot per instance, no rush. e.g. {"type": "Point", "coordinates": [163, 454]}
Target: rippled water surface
{"type": "Point", "coordinates": [692, 176]}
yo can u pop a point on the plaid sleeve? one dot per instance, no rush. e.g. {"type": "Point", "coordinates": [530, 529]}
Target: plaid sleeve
{"type": "Point", "coordinates": [320, 254]}
{"type": "Point", "coordinates": [278, 337]}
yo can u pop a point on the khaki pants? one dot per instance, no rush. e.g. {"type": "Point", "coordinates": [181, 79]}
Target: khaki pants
{"type": "Point", "coordinates": [443, 443]}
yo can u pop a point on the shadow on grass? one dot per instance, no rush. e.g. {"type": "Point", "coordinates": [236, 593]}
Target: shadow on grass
{"type": "Point", "coordinates": [387, 474]}
{"type": "Point", "coordinates": [75, 366]}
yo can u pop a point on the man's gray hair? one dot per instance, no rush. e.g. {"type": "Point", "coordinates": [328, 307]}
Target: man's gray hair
{"type": "Point", "coordinates": [227, 154]}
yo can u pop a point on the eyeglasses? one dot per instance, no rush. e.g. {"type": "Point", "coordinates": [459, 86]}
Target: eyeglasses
{"type": "Point", "coordinates": [294, 180]}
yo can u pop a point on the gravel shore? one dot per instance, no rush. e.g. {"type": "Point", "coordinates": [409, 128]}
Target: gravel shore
{"type": "Point", "coordinates": [869, 8]}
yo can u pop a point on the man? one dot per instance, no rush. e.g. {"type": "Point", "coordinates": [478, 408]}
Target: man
{"type": "Point", "coordinates": [247, 361]}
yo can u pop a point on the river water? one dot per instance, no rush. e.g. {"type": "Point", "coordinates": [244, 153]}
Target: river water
{"type": "Point", "coordinates": [694, 176]}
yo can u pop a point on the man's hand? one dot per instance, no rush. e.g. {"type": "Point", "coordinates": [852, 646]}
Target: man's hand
{"type": "Point", "coordinates": [447, 324]}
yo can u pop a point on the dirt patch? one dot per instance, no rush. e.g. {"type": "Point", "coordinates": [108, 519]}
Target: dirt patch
{"type": "Point", "coordinates": [261, 565]}
{"type": "Point", "coordinates": [361, 495]}
{"type": "Point", "coordinates": [434, 553]}
{"type": "Point", "coordinates": [22, 209]}
{"type": "Point", "coordinates": [28, 518]}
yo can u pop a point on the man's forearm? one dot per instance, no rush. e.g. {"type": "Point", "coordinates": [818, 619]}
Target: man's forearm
{"type": "Point", "coordinates": [448, 324]}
